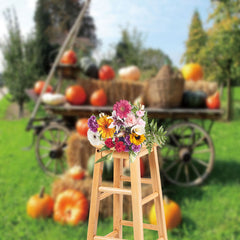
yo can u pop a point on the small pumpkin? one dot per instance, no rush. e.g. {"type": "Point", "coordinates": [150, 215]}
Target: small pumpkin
{"type": "Point", "coordinates": [38, 86]}
{"type": "Point", "coordinates": [82, 126]}
{"type": "Point", "coordinates": [107, 168]}
{"type": "Point", "coordinates": [172, 213]}
{"type": "Point", "coordinates": [40, 205]}
{"type": "Point", "coordinates": [53, 99]}
{"type": "Point", "coordinates": [106, 73]}
{"type": "Point", "coordinates": [98, 98]}
{"type": "Point", "coordinates": [195, 99]}
{"type": "Point", "coordinates": [192, 71]}
{"type": "Point", "coordinates": [89, 67]}
{"type": "Point", "coordinates": [75, 95]}
{"type": "Point", "coordinates": [71, 207]}
{"type": "Point", "coordinates": [69, 57]}
{"type": "Point", "coordinates": [129, 73]}
{"type": "Point", "coordinates": [213, 101]}
{"type": "Point", "coordinates": [76, 173]}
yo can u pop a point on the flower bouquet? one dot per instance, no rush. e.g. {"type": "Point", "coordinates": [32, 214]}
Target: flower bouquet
{"type": "Point", "coordinates": [126, 130]}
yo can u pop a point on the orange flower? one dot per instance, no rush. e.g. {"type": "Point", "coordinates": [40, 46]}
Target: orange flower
{"type": "Point", "coordinates": [104, 123]}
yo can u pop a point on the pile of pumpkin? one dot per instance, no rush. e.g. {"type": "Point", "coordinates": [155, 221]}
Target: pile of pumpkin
{"type": "Point", "coordinates": [76, 95]}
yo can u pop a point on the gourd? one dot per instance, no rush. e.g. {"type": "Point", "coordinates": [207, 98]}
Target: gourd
{"type": "Point", "coordinates": [129, 73]}
{"type": "Point", "coordinates": [192, 71]}
{"type": "Point", "coordinates": [82, 126]}
{"type": "Point", "coordinates": [89, 67]}
{"type": "Point", "coordinates": [71, 207]}
{"type": "Point", "coordinates": [40, 205]}
{"type": "Point", "coordinates": [213, 101]}
{"type": "Point", "coordinates": [107, 168]}
{"type": "Point", "coordinates": [194, 99]}
{"type": "Point", "coordinates": [53, 99]}
{"type": "Point", "coordinates": [98, 98]}
{"type": "Point", "coordinates": [172, 211]}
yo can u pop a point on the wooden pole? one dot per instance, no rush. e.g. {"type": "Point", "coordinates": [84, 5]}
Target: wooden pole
{"type": "Point", "coordinates": [57, 59]}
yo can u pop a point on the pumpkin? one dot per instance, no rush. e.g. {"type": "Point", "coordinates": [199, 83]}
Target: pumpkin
{"type": "Point", "coordinates": [213, 101]}
{"type": "Point", "coordinates": [107, 168]}
{"type": "Point", "coordinates": [98, 98]}
{"type": "Point", "coordinates": [192, 71]}
{"type": "Point", "coordinates": [69, 57]}
{"type": "Point", "coordinates": [129, 73]}
{"type": "Point", "coordinates": [75, 95]}
{"type": "Point", "coordinates": [71, 207]}
{"type": "Point", "coordinates": [106, 73]}
{"type": "Point", "coordinates": [76, 173]}
{"type": "Point", "coordinates": [89, 67]}
{"type": "Point", "coordinates": [82, 126]}
{"type": "Point", "coordinates": [172, 213]}
{"type": "Point", "coordinates": [194, 99]}
{"type": "Point", "coordinates": [38, 86]}
{"type": "Point", "coordinates": [53, 99]}
{"type": "Point", "coordinates": [40, 205]}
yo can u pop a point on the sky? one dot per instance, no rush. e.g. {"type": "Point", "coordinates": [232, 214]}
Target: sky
{"type": "Point", "coordinates": [163, 23]}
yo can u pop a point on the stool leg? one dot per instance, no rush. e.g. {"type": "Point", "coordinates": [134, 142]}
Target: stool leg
{"type": "Point", "coordinates": [155, 175]}
{"type": "Point", "coordinates": [94, 208]}
{"type": "Point", "coordinates": [118, 198]}
{"type": "Point", "coordinates": [136, 200]}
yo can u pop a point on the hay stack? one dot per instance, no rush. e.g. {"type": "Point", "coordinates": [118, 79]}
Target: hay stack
{"type": "Point", "coordinates": [78, 151]}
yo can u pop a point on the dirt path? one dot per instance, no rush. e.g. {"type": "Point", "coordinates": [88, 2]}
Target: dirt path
{"type": "Point", "coordinates": [12, 112]}
{"type": "Point", "coordinates": [3, 92]}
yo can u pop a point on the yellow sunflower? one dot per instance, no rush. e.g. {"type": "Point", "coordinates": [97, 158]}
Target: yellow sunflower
{"type": "Point", "coordinates": [103, 127]}
{"type": "Point", "coordinates": [137, 139]}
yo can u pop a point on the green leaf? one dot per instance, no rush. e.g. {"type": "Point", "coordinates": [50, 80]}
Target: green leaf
{"type": "Point", "coordinates": [104, 148]}
{"type": "Point", "coordinates": [132, 156]}
{"type": "Point", "coordinates": [105, 158]}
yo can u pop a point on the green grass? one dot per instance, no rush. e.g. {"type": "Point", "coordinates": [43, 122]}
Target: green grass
{"type": "Point", "coordinates": [210, 211]}
{"type": "Point", "coordinates": [4, 104]}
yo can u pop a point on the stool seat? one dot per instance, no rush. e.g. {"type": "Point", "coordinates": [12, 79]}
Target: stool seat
{"type": "Point", "coordinates": [100, 192]}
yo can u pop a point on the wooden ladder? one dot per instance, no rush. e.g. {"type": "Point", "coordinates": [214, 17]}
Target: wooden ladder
{"type": "Point", "coordinates": [100, 192]}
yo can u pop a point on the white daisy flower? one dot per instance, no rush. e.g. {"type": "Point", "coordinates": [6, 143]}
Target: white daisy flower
{"type": "Point", "coordinates": [138, 129]}
{"type": "Point", "coordinates": [94, 138]}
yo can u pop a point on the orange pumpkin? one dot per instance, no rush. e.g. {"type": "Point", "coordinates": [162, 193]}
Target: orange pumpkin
{"type": "Point", "coordinates": [129, 73]}
{"type": "Point", "coordinates": [75, 95]}
{"type": "Point", "coordinates": [76, 173]}
{"type": "Point", "coordinates": [82, 126]}
{"type": "Point", "coordinates": [213, 101]}
{"type": "Point", "coordinates": [69, 57]}
{"type": "Point", "coordinates": [192, 71]}
{"type": "Point", "coordinates": [172, 212]}
{"type": "Point", "coordinates": [106, 73]}
{"type": "Point", "coordinates": [71, 207]}
{"type": "Point", "coordinates": [98, 98]}
{"type": "Point", "coordinates": [38, 86]}
{"type": "Point", "coordinates": [40, 205]}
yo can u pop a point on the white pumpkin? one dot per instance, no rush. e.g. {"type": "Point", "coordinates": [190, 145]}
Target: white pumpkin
{"type": "Point", "coordinates": [129, 73]}
{"type": "Point", "coordinates": [53, 99]}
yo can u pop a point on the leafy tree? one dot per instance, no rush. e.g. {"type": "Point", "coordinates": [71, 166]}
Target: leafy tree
{"type": "Point", "coordinates": [19, 61]}
{"type": "Point", "coordinates": [53, 20]}
{"type": "Point", "coordinates": [221, 54]}
{"type": "Point", "coordinates": [196, 39]}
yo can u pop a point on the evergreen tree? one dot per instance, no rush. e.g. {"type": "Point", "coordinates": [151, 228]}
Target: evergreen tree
{"type": "Point", "coordinates": [196, 40]}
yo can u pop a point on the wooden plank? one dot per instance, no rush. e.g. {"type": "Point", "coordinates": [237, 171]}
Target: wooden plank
{"type": "Point", "coordinates": [107, 238]}
{"type": "Point", "coordinates": [143, 180]}
{"type": "Point", "coordinates": [136, 199]}
{"type": "Point", "coordinates": [117, 198]}
{"type": "Point", "coordinates": [155, 175]}
{"type": "Point", "coordinates": [94, 207]}
{"type": "Point", "coordinates": [115, 190]}
{"type": "Point", "coordinates": [111, 234]}
{"type": "Point", "coordinates": [145, 225]}
{"type": "Point", "coordinates": [149, 198]}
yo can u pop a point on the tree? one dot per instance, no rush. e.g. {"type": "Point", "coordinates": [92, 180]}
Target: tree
{"type": "Point", "coordinates": [53, 21]}
{"type": "Point", "coordinates": [196, 40]}
{"type": "Point", "coordinates": [221, 54]}
{"type": "Point", "coordinates": [19, 61]}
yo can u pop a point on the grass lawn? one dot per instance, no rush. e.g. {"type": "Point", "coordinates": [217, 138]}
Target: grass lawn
{"type": "Point", "coordinates": [210, 211]}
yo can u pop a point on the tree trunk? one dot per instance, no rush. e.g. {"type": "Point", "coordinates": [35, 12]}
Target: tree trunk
{"type": "Point", "coordinates": [21, 109]}
{"type": "Point", "coordinates": [221, 88]}
{"type": "Point", "coordinates": [229, 100]}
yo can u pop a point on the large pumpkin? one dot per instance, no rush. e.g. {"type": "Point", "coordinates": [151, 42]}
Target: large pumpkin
{"type": "Point", "coordinates": [82, 126]}
{"type": "Point", "coordinates": [75, 95]}
{"type": "Point", "coordinates": [98, 98]}
{"type": "Point", "coordinates": [107, 168]}
{"type": "Point", "coordinates": [40, 205]}
{"type": "Point", "coordinates": [172, 212]}
{"type": "Point", "coordinates": [71, 207]}
{"type": "Point", "coordinates": [192, 71]}
{"type": "Point", "coordinates": [38, 86]}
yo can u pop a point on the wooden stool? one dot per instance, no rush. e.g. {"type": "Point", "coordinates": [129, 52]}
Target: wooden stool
{"type": "Point", "coordinates": [100, 192]}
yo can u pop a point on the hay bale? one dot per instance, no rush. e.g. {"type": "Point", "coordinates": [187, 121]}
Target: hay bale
{"type": "Point", "coordinates": [78, 151]}
{"type": "Point", "coordinates": [106, 205]}
{"type": "Point", "coordinates": [208, 87]}
{"type": "Point", "coordinates": [115, 90]}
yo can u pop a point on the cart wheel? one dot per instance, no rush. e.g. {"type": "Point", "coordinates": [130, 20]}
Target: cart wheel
{"type": "Point", "coordinates": [50, 148]}
{"type": "Point", "coordinates": [188, 154]}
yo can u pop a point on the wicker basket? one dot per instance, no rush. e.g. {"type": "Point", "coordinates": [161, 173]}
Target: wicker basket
{"type": "Point", "coordinates": [166, 89]}
{"type": "Point", "coordinates": [115, 90]}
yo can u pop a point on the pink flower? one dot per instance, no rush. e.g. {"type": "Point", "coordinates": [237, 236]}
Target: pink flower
{"type": "Point", "coordinates": [122, 108]}
{"type": "Point", "coordinates": [141, 122]}
{"type": "Point", "coordinates": [130, 120]}
{"type": "Point", "coordinates": [109, 143]}
{"type": "Point", "coordinates": [140, 113]}
{"type": "Point", "coordinates": [120, 147]}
